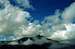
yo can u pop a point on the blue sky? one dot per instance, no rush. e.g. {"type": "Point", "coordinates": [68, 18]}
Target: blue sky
{"type": "Point", "coordinates": [44, 8]}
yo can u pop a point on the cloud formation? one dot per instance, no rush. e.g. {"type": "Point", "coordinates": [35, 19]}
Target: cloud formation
{"type": "Point", "coordinates": [24, 3]}
{"type": "Point", "coordinates": [69, 13]}
{"type": "Point", "coordinates": [12, 21]}
{"type": "Point", "coordinates": [63, 31]}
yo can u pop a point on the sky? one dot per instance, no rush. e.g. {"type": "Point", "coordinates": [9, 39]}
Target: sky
{"type": "Point", "coordinates": [42, 8]}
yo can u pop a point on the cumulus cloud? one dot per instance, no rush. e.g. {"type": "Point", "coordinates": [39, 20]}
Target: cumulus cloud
{"type": "Point", "coordinates": [68, 16]}
{"type": "Point", "coordinates": [51, 23]}
{"type": "Point", "coordinates": [61, 30]}
{"type": "Point", "coordinates": [65, 37]}
{"type": "Point", "coordinates": [13, 20]}
{"type": "Point", "coordinates": [69, 13]}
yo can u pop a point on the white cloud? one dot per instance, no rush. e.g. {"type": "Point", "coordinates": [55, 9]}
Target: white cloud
{"type": "Point", "coordinates": [69, 13]}
{"type": "Point", "coordinates": [54, 28]}
{"type": "Point", "coordinates": [51, 23]}
{"type": "Point", "coordinates": [24, 3]}
{"type": "Point", "coordinates": [11, 19]}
